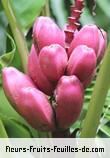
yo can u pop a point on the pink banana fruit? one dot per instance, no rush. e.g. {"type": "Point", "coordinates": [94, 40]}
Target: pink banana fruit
{"type": "Point", "coordinates": [38, 77]}
{"type": "Point", "coordinates": [69, 97]}
{"type": "Point", "coordinates": [46, 32]}
{"type": "Point", "coordinates": [82, 63]}
{"type": "Point", "coordinates": [53, 61]}
{"type": "Point", "coordinates": [89, 36]}
{"type": "Point", "coordinates": [28, 101]}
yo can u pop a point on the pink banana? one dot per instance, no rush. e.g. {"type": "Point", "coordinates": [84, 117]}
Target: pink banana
{"type": "Point", "coordinates": [28, 101]}
{"type": "Point", "coordinates": [46, 32]}
{"type": "Point", "coordinates": [89, 36]}
{"type": "Point", "coordinates": [37, 75]}
{"type": "Point", "coordinates": [82, 62]}
{"type": "Point", "coordinates": [53, 61]}
{"type": "Point", "coordinates": [69, 97]}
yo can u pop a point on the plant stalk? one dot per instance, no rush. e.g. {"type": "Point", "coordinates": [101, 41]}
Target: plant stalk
{"type": "Point", "coordinates": [17, 33]}
{"type": "Point", "coordinates": [61, 133]}
{"type": "Point", "coordinates": [101, 88]}
{"type": "Point", "coordinates": [46, 9]}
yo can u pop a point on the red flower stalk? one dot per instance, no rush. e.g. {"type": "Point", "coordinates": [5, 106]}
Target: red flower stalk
{"type": "Point", "coordinates": [73, 24]}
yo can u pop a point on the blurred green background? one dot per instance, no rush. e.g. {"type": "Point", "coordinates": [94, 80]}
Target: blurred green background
{"type": "Point", "coordinates": [26, 12]}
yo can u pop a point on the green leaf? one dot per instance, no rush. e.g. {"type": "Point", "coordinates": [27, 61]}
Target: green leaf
{"type": "Point", "coordinates": [6, 109]}
{"type": "Point", "coordinates": [105, 6]}
{"type": "Point", "coordinates": [3, 133]}
{"type": "Point", "coordinates": [26, 11]}
{"type": "Point", "coordinates": [6, 59]}
{"type": "Point", "coordinates": [2, 41]}
{"type": "Point", "coordinates": [15, 129]}
{"type": "Point", "coordinates": [3, 37]}
{"type": "Point", "coordinates": [59, 11]}
{"type": "Point", "coordinates": [86, 17]}
{"type": "Point", "coordinates": [104, 131]}
{"type": "Point", "coordinates": [11, 118]}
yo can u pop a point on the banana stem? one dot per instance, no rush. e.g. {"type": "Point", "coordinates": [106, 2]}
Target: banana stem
{"type": "Point", "coordinates": [46, 9]}
{"type": "Point", "coordinates": [101, 88]}
{"type": "Point", "coordinates": [17, 33]}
